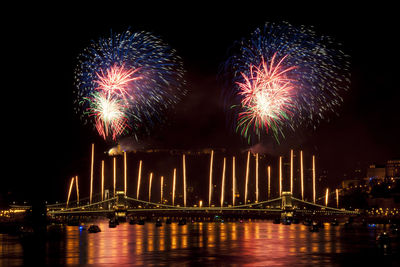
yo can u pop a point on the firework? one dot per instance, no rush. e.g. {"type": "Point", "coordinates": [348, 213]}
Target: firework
{"type": "Point", "coordinates": [281, 78]}
{"type": "Point", "coordinates": [126, 82]}
{"type": "Point", "coordinates": [110, 114]}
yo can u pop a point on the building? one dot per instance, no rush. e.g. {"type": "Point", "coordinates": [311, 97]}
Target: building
{"type": "Point", "coordinates": [377, 172]}
{"type": "Point", "coordinates": [350, 183]}
{"type": "Point", "coordinates": [393, 168]}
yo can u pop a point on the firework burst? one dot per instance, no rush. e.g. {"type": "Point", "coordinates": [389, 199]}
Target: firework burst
{"type": "Point", "coordinates": [126, 82]}
{"type": "Point", "coordinates": [109, 113]}
{"type": "Point", "coordinates": [116, 80]}
{"type": "Point", "coordinates": [281, 78]}
{"type": "Point", "coordinates": [266, 97]}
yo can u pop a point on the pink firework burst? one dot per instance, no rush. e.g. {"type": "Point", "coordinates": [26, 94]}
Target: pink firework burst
{"type": "Point", "coordinates": [116, 80]}
{"type": "Point", "coordinates": [267, 96]}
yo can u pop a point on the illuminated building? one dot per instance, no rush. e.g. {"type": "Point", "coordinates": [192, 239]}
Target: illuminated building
{"type": "Point", "coordinates": [376, 172]}
{"type": "Point", "coordinates": [393, 168]}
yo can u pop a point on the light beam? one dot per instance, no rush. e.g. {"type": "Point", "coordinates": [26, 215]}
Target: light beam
{"type": "Point", "coordinates": [91, 174]}
{"type": "Point", "coordinates": [223, 183]}
{"type": "Point", "coordinates": [247, 177]}
{"type": "Point", "coordinates": [210, 183]}
{"type": "Point", "coordinates": [139, 178]}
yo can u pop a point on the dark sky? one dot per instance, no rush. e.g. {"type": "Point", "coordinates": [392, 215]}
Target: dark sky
{"type": "Point", "coordinates": [45, 141]}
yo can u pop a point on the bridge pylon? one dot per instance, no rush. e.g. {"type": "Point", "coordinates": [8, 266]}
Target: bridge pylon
{"type": "Point", "coordinates": [287, 205]}
{"type": "Point", "coordinates": [287, 201]}
{"type": "Point", "coordinates": [120, 208]}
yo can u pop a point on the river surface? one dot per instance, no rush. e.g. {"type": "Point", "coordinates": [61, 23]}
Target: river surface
{"type": "Point", "coordinates": [259, 243]}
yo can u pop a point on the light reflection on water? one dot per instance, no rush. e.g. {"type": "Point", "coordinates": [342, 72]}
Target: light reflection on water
{"type": "Point", "coordinates": [202, 243]}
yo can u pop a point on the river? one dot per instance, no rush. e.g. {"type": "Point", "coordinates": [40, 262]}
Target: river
{"type": "Point", "coordinates": [256, 243]}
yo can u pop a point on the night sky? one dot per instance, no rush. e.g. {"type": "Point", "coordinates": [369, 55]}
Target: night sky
{"type": "Point", "coordinates": [46, 142]}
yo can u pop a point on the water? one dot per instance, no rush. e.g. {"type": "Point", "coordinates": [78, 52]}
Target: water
{"type": "Point", "coordinates": [199, 244]}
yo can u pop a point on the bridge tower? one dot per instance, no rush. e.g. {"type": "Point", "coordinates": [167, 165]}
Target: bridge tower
{"type": "Point", "coordinates": [120, 205]}
{"type": "Point", "coordinates": [286, 201]}
{"type": "Point", "coordinates": [287, 207]}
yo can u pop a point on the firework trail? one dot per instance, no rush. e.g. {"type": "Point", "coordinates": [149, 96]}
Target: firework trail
{"type": "Point", "coordinates": [281, 78]}
{"type": "Point", "coordinates": [126, 82]}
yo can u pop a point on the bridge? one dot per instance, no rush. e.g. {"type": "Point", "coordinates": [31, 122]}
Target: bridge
{"type": "Point", "coordinates": [122, 206]}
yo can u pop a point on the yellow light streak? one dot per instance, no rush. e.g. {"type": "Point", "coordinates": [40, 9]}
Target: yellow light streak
{"type": "Point", "coordinates": [138, 180]}
{"type": "Point", "coordinates": [70, 189]}
{"type": "Point", "coordinates": [150, 182]}
{"type": "Point", "coordinates": [269, 181]}
{"type": "Point", "coordinates": [102, 180]}
{"type": "Point", "coordinates": [77, 190]}
{"type": "Point", "coordinates": [184, 179]}
{"type": "Point", "coordinates": [257, 177]}
{"type": "Point", "coordinates": [291, 171]}
{"type": "Point", "coordinates": [247, 176]}
{"type": "Point", "coordinates": [210, 178]}
{"type": "Point", "coordinates": [115, 174]}
{"type": "Point", "coordinates": [302, 175]}
{"type": "Point", "coordinates": [91, 174]}
{"type": "Point", "coordinates": [326, 197]}
{"type": "Point", "coordinates": [233, 181]}
{"type": "Point", "coordinates": [313, 174]}
{"type": "Point", "coordinates": [173, 187]}
{"type": "Point", "coordinates": [162, 188]}
{"type": "Point", "coordinates": [125, 175]}
{"type": "Point", "coordinates": [280, 176]}
{"type": "Point", "coordinates": [223, 183]}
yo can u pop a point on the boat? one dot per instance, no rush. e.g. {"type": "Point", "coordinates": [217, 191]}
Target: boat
{"type": "Point", "coordinates": [112, 223]}
{"type": "Point", "coordinates": [295, 220]}
{"type": "Point", "coordinates": [141, 222]}
{"type": "Point", "coordinates": [132, 221]}
{"type": "Point", "coordinates": [94, 228]}
{"type": "Point", "coordinates": [286, 221]}
{"type": "Point", "coordinates": [182, 222]}
{"type": "Point", "coordinates": [158, 223]}
{"type": "Point", "coordinates": [168, 221]}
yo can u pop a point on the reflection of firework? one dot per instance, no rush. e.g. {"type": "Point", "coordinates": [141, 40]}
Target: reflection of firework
{"type": "Point", "coordinates": [283, 77]}
{"type": "Point", "coordinates": [136, 71]}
